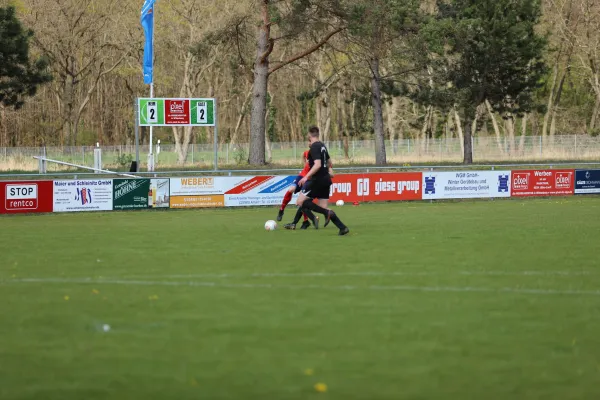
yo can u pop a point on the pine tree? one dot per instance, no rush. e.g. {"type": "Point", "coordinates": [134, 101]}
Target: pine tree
{"type": "Point", "coordinates": [483, 50]}
{"type": "Point", "coordinates": [19, 75]}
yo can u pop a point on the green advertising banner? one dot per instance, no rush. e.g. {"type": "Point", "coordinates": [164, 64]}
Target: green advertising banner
{"type": "Point", "coordinates": [130, 194]}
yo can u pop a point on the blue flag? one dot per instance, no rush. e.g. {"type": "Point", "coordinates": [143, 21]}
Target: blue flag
{"type": "Point", "coordinates": [147, 20]}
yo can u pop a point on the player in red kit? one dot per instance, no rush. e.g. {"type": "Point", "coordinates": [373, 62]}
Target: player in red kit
{"type": "Point", "coordinates": [295, 188]}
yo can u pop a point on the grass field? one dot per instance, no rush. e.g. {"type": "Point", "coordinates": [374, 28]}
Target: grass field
{"type": "Point", "coordinates": [468, 300]}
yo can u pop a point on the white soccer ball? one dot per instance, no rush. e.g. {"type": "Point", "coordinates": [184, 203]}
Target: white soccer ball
{"type": "Point", "coordinates": [270, 225]}
{"type": "Point", "coordinates": [339, 203]}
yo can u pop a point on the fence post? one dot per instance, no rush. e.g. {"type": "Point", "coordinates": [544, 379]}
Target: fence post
{"type": "Point", "coordinates": [192, 153]}
{"type": "Point", "coordinates": [227, 153]}
{"type": "Point", "coordinates": [353, 148]}
{"type": "Point", "coordinates": [575, 145]}
{"type": "Point", "coordinates": [540, 145]}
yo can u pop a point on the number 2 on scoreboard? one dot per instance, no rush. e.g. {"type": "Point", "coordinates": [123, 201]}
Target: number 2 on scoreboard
{"type": "Point", "coordinates": [201, 109]}
{"type": "Point", "coordinates": [152, 112]}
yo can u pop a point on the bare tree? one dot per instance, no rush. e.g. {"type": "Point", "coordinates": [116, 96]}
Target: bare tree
{"type": "Point", "coordinates": [74, 34]}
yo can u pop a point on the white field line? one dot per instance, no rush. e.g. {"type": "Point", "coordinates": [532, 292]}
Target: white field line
{"type": "Point", "coordinates": [378, 288]}
{"type": "Point", "coordinates": [364, 273]}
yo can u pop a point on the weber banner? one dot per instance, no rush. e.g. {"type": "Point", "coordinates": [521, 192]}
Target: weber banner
{"type": "Point", "coordinates": [130, 194]}
{"type": "Point", "coordinates": [543, 182]}
{"type": "Point", "coordinates": [25, 197]}
{"type": "Point", "coordinates": [83, 195]}
{"type": "Point", "coordinates": [202, 191]}
{"type": "Point", "coordinates": [587, 181]}
{"type": "Point", "coordinates": [376, 187]}
{"type": "Point", "coordinates": [466, 184]}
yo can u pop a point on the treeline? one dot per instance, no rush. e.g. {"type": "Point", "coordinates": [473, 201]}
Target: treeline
{"type": "Point", "coordinates": [359, 69]}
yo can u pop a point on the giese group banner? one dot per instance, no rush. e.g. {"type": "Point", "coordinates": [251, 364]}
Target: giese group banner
{"type": "Point", "coordinates": [466, 185]}
{"type": "Point", "coordinates": [376, 187]}
{"type": "Point", "coordinates": [548, 182]}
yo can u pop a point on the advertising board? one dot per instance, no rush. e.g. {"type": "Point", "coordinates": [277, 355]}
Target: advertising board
{"type": "Point", "coordinates": [376, 187]}
{"type": "Point", "coordinates": [259, 191]}
{"type": "Point", "coordinates": [83, 195]}
{"type": "Point", "coordinates": [25, 197]}
{"type": "Point", "coordinates": [587, 181]}
{"type": "Point", "coordinates": [543, 182]}
{"type": "Point", "coordinates": [466, 184]}
{"type": "Point", "coordinates": [130, 194]}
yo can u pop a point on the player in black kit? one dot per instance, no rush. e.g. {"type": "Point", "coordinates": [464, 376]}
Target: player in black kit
{"type": "Point", "coordinates": [316, 184]}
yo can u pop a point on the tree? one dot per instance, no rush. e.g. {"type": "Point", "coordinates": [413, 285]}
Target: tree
{"type": "Point", "coordinates": [484, 50]}
{"type": "Point", "coordinates": [293, 19]}
{"type": "Point", "coordinates": [374, 27]}
{"type": "Point", "coordinates": [197, 46]}
{"type": "Point", "coordinates": [19, 75]}
{"type": "Point", "coordinates": [78, 38]}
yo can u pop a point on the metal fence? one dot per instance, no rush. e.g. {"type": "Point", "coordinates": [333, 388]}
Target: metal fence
{"type": "Point", "coordinates": [402, 151]}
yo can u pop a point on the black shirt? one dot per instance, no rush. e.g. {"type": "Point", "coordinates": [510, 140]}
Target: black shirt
{"type": "Point", "coordinates": [318, 151]}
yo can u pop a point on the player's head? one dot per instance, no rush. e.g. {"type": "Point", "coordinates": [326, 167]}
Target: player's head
{"type": "Point", "coordinates": [313, 134]}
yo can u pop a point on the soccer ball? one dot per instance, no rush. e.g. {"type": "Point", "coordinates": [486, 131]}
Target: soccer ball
{"type": "Point", "coordinates": [270, 225]}
{"type": "Point", "coordinates": [339, 203]}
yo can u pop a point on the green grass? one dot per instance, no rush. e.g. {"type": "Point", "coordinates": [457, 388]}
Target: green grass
{"type": "Point", "coordinates": [465, 300]}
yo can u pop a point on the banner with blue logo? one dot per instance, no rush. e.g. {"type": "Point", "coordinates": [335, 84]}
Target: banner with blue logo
{"type": "Point", "coordinates": [587, 181]}
{"type": "Point", "coordinates": [466, 184]}
{"type": "Point", "coordinates": [147, 21]}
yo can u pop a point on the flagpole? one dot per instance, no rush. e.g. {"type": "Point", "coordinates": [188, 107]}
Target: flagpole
{"type": "Point", "coordinates": [150, 151]}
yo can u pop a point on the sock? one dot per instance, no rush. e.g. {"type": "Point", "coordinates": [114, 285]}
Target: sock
{"type": "Point", "coordinates": [308, 204]}
{"type": "Point", "coordinates": [299, 214]}
{"type": "Point", "coordinates": [309, 214]}
{"type": "Point", "coordinates": [286, 200]}
{"type": "Point", "coordinates": [337, 222]}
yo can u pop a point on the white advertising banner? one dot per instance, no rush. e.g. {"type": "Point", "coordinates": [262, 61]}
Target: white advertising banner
{"type": "Point", "coordinates": [259, 191]}
{"type": "Point", "coordinates": [83, 195]}
{"type": "Point", "coordinates": [204, 185]}
{"type": "Point", "coordinates": [466, 184]}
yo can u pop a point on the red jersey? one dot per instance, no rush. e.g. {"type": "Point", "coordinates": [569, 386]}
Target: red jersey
{"type": "Point", "coordinates": [306, 165]}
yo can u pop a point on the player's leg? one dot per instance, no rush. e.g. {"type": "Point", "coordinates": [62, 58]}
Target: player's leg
{"type": "Point", "coordinates": [305, 224]}
{"type": "Point", "coordinates": [304, 196]}
{"type": "Point", "coordinates": [299, 214]}
{"type": "Point", "coordinates": [288, 197]}
{"type": "Point", "coordinates": [286, 200]}
{"type": "Point", "coordinates": [321, 191]}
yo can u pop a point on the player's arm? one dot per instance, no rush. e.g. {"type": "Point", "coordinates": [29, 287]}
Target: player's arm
{"type": "Point", "coordinates": [313, 170]}
{"type": "Point", "coordinates": [330, 168]}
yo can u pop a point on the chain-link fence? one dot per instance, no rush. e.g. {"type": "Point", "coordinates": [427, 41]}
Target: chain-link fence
{"type": "Point", "coordinates": [412, 151]}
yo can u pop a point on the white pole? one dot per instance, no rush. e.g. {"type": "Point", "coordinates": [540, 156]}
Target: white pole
{"type": "Point", "coordinates": [215, 137]}
{"type": "Point", "coordinates": [150, 154]}
{"type": "Point", "coordinates": [150, 158]}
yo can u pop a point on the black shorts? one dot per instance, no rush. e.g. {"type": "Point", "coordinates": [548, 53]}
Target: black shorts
{"type": "Point", "coordinates": [317, 188]}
